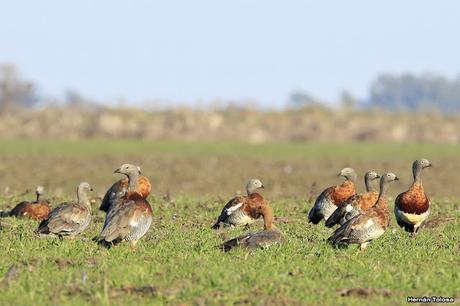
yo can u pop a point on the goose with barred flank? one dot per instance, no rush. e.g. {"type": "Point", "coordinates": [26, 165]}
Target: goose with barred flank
{"type": "Point", "coordinates": [119, 188]}
{"type": "Point", "coordinates": [357, 203]}
{"type": "Point", "coordinates": [130, 217]}
{"type": "Point", "coordinates": [412, 207]}
{"type": "Point", "coordinates": [243, 210]}
{"type": "Point", "coordinates": [69, 218]}
{"type": "Point", "coordinates": [262, 239]}
{"type": "Point", "coordinates": [327, 201]}
{"type": "Point", "coordinates": [368, 226]}
{"type": "Point", "coordinates": [37, 210]}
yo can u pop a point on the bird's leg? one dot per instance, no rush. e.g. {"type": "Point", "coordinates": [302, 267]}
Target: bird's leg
{"type": "Point", "coordinates": [414, 232]}
{"type": "Point", "coordinates": [132, 245]}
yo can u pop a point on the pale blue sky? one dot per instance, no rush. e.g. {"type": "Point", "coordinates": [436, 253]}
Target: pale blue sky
{"type": "Point", "coordinates": [240, 49]}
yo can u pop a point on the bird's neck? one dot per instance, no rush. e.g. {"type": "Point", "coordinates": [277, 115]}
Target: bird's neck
{"type": "Point", "coordinates": [382, 199]}
{"type": "Point", "coordinates": [417, 173]}
{"type": "Point", "coordinates": [82, 198]}
{"type": "Point", "coordinates": [132, 181]}
{"type": "Point", "coordinates": [267, 213]}
{"type": "Point", "coordinates": [367, 183]}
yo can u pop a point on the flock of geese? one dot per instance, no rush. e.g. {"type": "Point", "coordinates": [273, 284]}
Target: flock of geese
{"type": "Point", "coordinates": [361, 218]}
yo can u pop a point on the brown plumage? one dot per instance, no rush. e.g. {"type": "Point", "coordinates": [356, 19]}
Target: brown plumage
{"type": "Point", "coordinates": [412, 207]}
{"type": "Point", "coordinates": [119, 188]}
{"type": "Point", "coordinates": [243, 210]}
{"type": "Point", "coordinates": [262, 239]}
{"type": "Point", "coordinates": [37, 210]}
{"type": "Point", "coordinates": [69, 218]}
{"type": "Point", "coordinates": [130, 217]}
{"type": "Point", "coordinates": [331, 197]}
{"type": "Point", "coordinates": [369, 225]}
{"type": "Point", "coordinates": [355, 204]}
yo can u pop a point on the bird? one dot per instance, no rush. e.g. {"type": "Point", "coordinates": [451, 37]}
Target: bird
{"type": "Point", "coordinates": [369, 225]}
{"type": "Point", "coordinates": [119, 188]}
{"type": "Point", "coordinates": [327, 201]}
{"type": "Point", "coordinates": [37, 210]}
{"type": "Point", "coordinates": [262, 239]}
{"type": "Point", "coordinates": [69, 218]}
{"type": "Point", "coordinates": [242, 210]}
{"type": "Point", "coordinates": [130, 217]}
{"type": "Point", "coordinates": [355, 204]}
{"type": "Point", "coordinates": [413, 206]}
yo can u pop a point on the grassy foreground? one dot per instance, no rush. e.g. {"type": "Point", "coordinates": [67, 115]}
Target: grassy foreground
{"type": "Point", "coordinates": [178, 262]}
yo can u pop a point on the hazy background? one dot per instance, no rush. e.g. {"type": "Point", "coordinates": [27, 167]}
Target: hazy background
{"type": "Point", "coordinates": [373, 85]}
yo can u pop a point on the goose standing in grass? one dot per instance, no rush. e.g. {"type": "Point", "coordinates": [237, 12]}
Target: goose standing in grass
{"type": "Point", "coordinates": [357, 203]}
{"type": "Point", "coordinates": [130, 217]}
{"type": "Point", "coordinates": [37, 210]}
{"type": "Point", "coordinates": [119, 188]}
{"type": "Point", "coordinates": [412, 207]}
{"type": "Point", "coordinates": [243, 210]}
{"type": "Point", "coordinates": [327, 201]}
{"type": "Point", "coordinates": [262, 239]}
{"type": "Point", "coordinates": [69, 218]}
{"type": "Point", "coordinates": [371, 224]}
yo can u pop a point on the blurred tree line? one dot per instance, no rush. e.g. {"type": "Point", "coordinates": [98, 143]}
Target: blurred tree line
{"type": "Point", "coordinates": [413, 93]}
{"type": "Point", "coordinates": [397, 93]}
{"type": "Point", "coordinates": [388, 92]}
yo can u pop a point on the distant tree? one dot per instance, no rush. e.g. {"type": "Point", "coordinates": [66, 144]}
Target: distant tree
{"type": "Point", "coordinates": [412, 93]}
{"type": "Point", "coordinates": [14, 90]}
{"type": "Point", "coordinates": [348, 101]}
{"type": "Point", "coordinates": [299, 99]}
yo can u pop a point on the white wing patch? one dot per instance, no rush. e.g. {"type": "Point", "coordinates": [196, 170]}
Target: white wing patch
{"type": "Point", "coordinates": [349, 208]}
{"type": "Point", "coordinates": [230, 210]}
{"type": "Point", "coordinates": [369, 223]}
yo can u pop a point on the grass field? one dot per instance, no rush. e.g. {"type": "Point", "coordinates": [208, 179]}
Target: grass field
{"type": "Point", "coordinates": [178, 262]}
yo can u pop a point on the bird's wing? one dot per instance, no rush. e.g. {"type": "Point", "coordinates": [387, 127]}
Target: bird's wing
{"type": "Point", "coordinates": [115, 192]}
{"type": "Point", "coordinates": [67, 217]}
{"type": "Point", "coordinates": [125, 217]}
{"type": "Point", "coordinates": [342, 210]}
{"type": "Point", "coordinates": [229, 208]}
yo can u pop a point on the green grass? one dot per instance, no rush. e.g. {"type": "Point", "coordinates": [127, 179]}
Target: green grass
{"type": "Point", "coordinates": [179, 262]}
{"type": "Point", "coordinates": [180, 259]}
{"type": "Point", "coordinates": [94, 147]}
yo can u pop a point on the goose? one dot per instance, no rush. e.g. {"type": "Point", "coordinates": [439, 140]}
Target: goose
{"type": "Point", "coordinates": [413, 206]}
{"type": "Point", "coordinates": [262, 239]}
{"type": "Point", "coordinates": [241, 210]}
{"type": "Point", "coordinates": [69, 218]}
{"type": "Point", "coordinates": [130, 217]}
{"type": "Point", "coordinates": [37, 210]}
{"type": "Point", "coordinates": [327, 201]}
{"type": "Point", "coordinates": [369, 225]}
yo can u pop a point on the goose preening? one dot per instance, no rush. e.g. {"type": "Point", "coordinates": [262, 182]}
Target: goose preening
{"type": "Point", "coordinates": [369, 225]}
{"type": "Point", "coordinates": [130, 216]}
{"type": "Point", "coordinates": [243, 210]}
{"type": "Point", "coordinates": [37, 210]}
{"type": "Point", "coordinates": [412, 207]}
{"type": "Point", "coordinates": [69, 218]}
{"type": "Point", "coordinates": [262, 239]}
{"type": "Point", "coordinates": [327, 201]}
{"type": "Point", "coordinates": [357, 203]}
